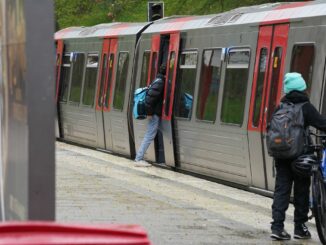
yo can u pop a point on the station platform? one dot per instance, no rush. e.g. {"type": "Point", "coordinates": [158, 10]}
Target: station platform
{"type": "Point", "coordinates": [174, 208]}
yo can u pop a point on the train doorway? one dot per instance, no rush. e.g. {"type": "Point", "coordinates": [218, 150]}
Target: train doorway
{"type": "Point", "coordinates": [266, 93]}
{"type": "Point", "coordinates": [164, 50]}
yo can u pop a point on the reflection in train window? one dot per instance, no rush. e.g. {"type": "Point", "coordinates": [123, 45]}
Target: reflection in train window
{"type": "Point", "coordinates": [209, 85]}
{"type": "Point", "coordinates": [235, 86]}
{"type": "Point", "coordinates": [121, 80]}
{"type": "Point", "coordinates": [103, 75]}
{"type": "Point", "coordinates": [302, 62]}
{"type": "Point", "coordinates": [186, 84]}
{"type": "Point", "coordinates": [277, 59]}
{"type": "Point", "coordinates": [90, 79]}
{"type": "Point", "coordinates": [78, 64]}
{"type": "Point", "coordinates": [144, 69]}
{"type": "Point", "coordinates": [108, 85]}
{"type": "Point", "coordinates": [154, 66]}
{"type": "Point", "coordinates": [259, 86]}
{"type": "Point", "coordinates": [64, 77]}
{"type": "Point", "coordinates": [169, 83]}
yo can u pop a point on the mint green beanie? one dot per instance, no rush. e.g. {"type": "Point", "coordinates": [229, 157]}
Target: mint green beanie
{"type": "Point", "coordinates": [293, 81]}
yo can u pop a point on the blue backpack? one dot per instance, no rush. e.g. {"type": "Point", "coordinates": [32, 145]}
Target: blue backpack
{"type": "Point", "coordinates": [139, 109]}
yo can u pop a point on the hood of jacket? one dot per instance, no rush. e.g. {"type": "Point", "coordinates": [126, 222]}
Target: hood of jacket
{"type": "Point", "coordinates": [295, 97]}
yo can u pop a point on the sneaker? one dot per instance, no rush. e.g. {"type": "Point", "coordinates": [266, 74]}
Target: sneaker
{"type": "Point", "coordinates": [142, 163]}
{"type": "Point", "coordinates": [301, 232]}
{"type": "Point", "coordinates": [280, 235]}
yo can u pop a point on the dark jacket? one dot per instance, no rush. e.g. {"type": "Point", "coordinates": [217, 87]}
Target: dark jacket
{"type": "Point", "coordinates": [311, 116]}
{"type": "Point", "coordinates": [154, 97]}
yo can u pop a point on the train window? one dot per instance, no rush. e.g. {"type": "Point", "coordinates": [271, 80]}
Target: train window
{"type": "Point", "coordinates": [78, 61]}
{"type": "Point", "coordinates": [169, 82]}
{"type": "Point", "coordinates": [235, 86]}
{"type": "Point", "coordinates": [144, 69]}
{"type": "Point", "coordinates": [277, 58]}
{"type": "Point", "coordinates": [186, 84]}
{"type": "Point", "coordinates": [121, 80]}
{"type": "Point", "coordinates": [302, 62]}
{"type": "Point", "coordinates": [259, 86]}
{"type": "Point", "coordinates": [103, 75]}
{"type": "Point", "coordinates": [90, 80]}
{"type": "Point", "coordinates": [65, 75]}
{"type": "Point", "coordinates": [153, 68]}
{"type": "Point", "coordinates": [209, 85]}
{"type": "Point", "coordinates": [107, 94]}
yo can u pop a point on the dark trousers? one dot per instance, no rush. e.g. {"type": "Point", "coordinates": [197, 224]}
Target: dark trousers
{"type": "Point", "coordinates": [284, 179]}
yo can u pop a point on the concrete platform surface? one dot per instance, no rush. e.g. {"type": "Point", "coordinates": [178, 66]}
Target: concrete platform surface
{"type": "Point", "coordinates": [96, 187]}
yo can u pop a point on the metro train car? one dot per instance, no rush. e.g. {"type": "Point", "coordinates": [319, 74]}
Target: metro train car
{"type": "Point", "coordinates": [224, 80]}
{"type": "Point", "coordinates": [95, 68]}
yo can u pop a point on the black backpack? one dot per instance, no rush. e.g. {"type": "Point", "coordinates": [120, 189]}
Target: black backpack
{"type": "Point", "coordinates": [286, 136]}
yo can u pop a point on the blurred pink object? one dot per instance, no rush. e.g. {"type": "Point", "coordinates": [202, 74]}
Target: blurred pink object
{"type": "Point", "coordinates": [32, 232]}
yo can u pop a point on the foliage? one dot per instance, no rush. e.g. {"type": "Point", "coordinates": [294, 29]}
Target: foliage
{"type": "Point", "coordinates": [92, 12]}
{"type": "Point", "coordinates": [81, 12]}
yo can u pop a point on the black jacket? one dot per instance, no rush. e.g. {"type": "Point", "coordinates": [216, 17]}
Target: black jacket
{"type": "Point", "coordinates": [154, 97]}
{"type": "Point", "coordinates": [311, 116]}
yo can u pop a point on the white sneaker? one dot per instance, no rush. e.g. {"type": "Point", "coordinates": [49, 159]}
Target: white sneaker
{"type": "Point", "coordinates": [142, 163]}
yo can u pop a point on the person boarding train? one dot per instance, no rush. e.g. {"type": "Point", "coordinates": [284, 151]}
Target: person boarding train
{"type": "Point", "coordinates": [153, 103]}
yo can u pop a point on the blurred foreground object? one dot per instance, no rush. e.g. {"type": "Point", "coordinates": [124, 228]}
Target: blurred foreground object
{"type": "Point", "coordinates": [53, 233]}
{"type": "Point", "coordinates": [27, 111]}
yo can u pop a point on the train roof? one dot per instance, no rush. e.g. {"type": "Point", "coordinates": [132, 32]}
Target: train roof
{"type": "Point", "coordinates": [258, 14]}
{"type": "Point", "coordinates": [101, 30]}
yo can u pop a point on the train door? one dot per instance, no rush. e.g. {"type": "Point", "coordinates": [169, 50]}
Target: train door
{"type": "Point", "coordinates": [104, 93]}
{"type": "Point", "coordinates": [266, 93]}
{"type": "Point", "coordinates": [167, 123]}
{"type": "Point", "coordinates": [59, 53]}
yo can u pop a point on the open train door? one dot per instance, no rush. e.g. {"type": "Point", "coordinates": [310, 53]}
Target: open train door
{"type": "Point", "coordinates": [167, 123]}
{"type": "Point", "coordinates": [265, 96]}
{"type": "Point", "coordinates": [59, 54]}
{"type": "Point", "coordinates": [140, 126]}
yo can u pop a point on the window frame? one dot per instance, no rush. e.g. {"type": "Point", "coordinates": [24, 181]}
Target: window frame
{"type": "Point", "coordinates": [168, 86]}
{"type": "Point", "coordinates": [222, 67]}
{"type": "Point", "coordinates": [115, 82]}
{"type": "Point", "coordinates": [82, 79]}
{"type": "Point", "coordinates": [181, 52]}
{"type": "Point", "coordinates": [111, 60]}
{"type": "Point", "coordinates": [313, 44]}
{"type": "Point", "coordinates": [142, 66]}
{"type": "Point", "coordinates": [90, 54]}
{"type": "Point", "coordinates": [266, 69]}
{"type": "Point", "coordinates": [231, 66]}
{"type": "Point", "coordinates": [278, 52]}
{"type": "Point", "coordinates": [69, 79]}
{"type": "Point", "coordinates": [102, 72]}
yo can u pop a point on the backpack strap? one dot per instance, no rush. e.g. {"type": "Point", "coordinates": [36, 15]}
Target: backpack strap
{"type": "Point", "coordinates": [300, 104]}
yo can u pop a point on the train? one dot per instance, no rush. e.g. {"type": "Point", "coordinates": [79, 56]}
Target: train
{"type": "Point", "coordinates": [223, 81]}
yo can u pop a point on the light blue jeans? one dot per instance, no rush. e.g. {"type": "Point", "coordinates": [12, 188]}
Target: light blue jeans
{"type": "Point", "coordinates": [150, 134]}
